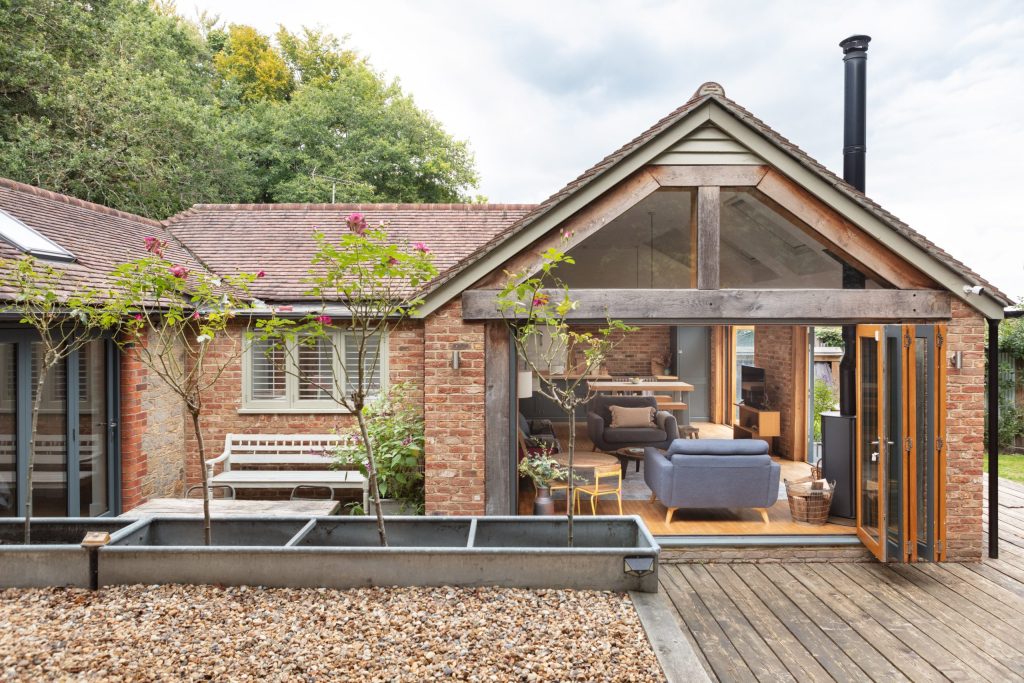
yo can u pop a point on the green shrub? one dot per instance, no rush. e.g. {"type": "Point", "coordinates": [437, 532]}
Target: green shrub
{"type": "Point", "coordinates": [829, 336]}
{"type": "Point", "coordinates": [824, 401]}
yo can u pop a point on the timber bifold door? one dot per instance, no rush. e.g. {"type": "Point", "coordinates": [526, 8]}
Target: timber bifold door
{"type": "Point", "coordinates": [900, 444]}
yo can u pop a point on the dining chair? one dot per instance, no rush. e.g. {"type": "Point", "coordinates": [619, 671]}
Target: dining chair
{"type": "Point", "coordinates": [607, 482]}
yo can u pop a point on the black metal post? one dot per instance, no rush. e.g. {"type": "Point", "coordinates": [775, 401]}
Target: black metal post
{"type": "Point", "coordinates": [993, 439]}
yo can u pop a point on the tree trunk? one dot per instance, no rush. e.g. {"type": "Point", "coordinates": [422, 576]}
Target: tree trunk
{"type": "Point", "coordinates": [44, 373]}
{"type": "Point", "coordinates": [371, 473]}
{"type": "Point", "coordinates": [207, 531]}
{"type": "Point", "coordinates": [572, 479]}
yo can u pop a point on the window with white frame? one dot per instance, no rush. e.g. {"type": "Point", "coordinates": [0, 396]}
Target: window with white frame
{"type": "Point", "coordinates": [302, 378]}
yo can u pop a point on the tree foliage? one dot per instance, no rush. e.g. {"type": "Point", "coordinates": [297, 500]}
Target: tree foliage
{"type": "Point", "coordinates": [128, 104]}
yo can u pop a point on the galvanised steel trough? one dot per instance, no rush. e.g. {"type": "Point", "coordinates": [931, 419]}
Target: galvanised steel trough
{"type": "Point", "coordinates": [609, 553]}
{"type": "Point", "coordinates": [55, 557]}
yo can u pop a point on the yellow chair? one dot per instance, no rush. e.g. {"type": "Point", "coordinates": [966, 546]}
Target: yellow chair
{"type": "Point", "coordinates": [599, 488]}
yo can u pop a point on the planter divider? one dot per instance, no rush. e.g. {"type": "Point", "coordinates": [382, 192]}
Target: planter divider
{"type": "Point", "coordinates": [301, 534]}
{"type": "Point", "coordinates": [472, 534]}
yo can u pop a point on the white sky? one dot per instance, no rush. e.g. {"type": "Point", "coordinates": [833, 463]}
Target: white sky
{"type": "Point", "coordinates": [542, 90]}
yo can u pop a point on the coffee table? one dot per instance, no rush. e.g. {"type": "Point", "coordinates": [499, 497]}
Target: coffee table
{"type": "Point", "coordinates": [626, 454]}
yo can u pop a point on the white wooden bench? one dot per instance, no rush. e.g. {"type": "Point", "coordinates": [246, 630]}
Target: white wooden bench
{"type": "Point", "coordinates": [275, 450]}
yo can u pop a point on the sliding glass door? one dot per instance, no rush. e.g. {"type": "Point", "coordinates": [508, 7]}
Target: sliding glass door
{"type": "Point", "coordinates": [76, 451]}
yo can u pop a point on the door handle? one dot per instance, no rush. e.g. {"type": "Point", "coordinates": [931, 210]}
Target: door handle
{"type": "Point", "coordinates": [874, 456]}
{"type": "Point", "coordinates": [112, 425]}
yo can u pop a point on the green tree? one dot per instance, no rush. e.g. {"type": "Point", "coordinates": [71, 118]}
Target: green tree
{"type": "Point", "coordinates": [315, 57]}
{"type": "Point", "coordinates": [536, 308]}
{"type": "Point", "coordinates": [176, 324]}
{"type": "Point", "coordinates": [377, 282]}
{"type": "Point", "coordinates": [367, 134]}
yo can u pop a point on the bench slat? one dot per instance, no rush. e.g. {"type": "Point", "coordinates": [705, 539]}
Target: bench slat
{"type": "Point", "coordinates": [290, 478]}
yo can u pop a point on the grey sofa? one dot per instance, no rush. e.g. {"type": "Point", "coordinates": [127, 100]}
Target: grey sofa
{"type": "Point", "coordinates": [538, 433]}
{"type": "Point", "coordinates": [599, 419]}
{"type": "Point", "coordinates": [713, 473]}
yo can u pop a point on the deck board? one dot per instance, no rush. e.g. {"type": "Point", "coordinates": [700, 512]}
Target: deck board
{"type": "Point", "coordinates": [856, 621]}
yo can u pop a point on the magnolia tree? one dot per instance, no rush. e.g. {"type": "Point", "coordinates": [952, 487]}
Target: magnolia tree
{"type": "Point", "coordinates": [536, 308]}
{"type": "Point", "coordinates": [169, 320]}
{"type": "Point", "coordinates": [63, 315]}
{"type": "Point", "coordinates": [373, 284]}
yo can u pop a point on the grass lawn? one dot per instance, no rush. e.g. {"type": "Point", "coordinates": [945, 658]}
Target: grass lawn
{"type": "Point", "coordinates": [1011, 466]}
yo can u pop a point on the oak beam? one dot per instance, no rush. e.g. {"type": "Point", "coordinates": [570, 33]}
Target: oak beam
{"type": "Point", "coordinates": [740, 306]}
{"type": "Point", "coordinates": [696, 176]}
{"type": "Point", "coordinates": [498, 498]}
{"type": "Point", "coordinates": [864, 250]}
{"type": "Point", "coordinates": [708, 231]}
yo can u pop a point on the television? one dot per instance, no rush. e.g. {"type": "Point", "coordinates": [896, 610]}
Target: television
{"type": "Point", "coordinates": [752, 384]}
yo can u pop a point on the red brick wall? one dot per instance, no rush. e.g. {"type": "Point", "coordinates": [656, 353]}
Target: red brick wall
{"type": "Point", "coordinates": [773, 351]}
{"type": "Point", "coordinates": [634, 351]}
{"type": "Point", "coordinates": [222, 402]}
{"type": "Point", "coordinates": [453, 406]}
{"type": "Point", "coordinates": [965, 434]}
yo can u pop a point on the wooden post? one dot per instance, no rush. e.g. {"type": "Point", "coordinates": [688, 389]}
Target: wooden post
{"type": "Point", "coordinates": [498, 381]}
{"type": "Point", "coordinates": [708, 225]}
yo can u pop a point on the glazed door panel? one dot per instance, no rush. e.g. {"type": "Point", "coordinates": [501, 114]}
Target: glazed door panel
{"type": "Point", "coordinates": [871, 451]}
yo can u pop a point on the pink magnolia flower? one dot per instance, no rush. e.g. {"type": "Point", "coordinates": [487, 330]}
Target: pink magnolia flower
{"type": "Point", "coordinates": [323, 319]}
{"type": "Point", "coordinates": [180, 272]}
{"type": "Point", "coordinates": [155, 246]}
{"type": "Point", "coordinates": [356, 222]}
{"type": "Point", "coordinates": [260, 274]}
{"type": "Point", "coordinates": [138, 316]}
{"type": "Point", "coordinates": [420, 247]}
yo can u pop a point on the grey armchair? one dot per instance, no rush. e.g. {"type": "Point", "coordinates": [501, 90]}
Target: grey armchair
{"type": "Point", "coordinates": [599, 419]}
{"type": "Point", "coordinates": [537, 433]}
{"type": "Point", "coordinates": [713, 473]}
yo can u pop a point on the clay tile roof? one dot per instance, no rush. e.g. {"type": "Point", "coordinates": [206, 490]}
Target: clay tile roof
{"type": "Point", "coordinates": [713, 91]}
{"type": "Point", "coordinates": [277, 238]}
{"type": "Point", "coordinates": [99, 237]}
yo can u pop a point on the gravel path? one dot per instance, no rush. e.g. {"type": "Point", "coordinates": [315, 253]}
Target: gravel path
{"type": "Point", "coordinates": [380, 634]}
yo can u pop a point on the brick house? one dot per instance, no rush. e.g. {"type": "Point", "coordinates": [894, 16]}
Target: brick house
{"type": "Point", "coordinates": [720, 239]}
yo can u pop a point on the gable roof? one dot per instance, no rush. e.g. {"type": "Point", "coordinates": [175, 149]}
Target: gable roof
{"type": "Point", "coordinates": [706, 105]}
{"type": "Point", "coordinates": [277, 238]}
{"type": "Point", "coordinates": [99, 237]}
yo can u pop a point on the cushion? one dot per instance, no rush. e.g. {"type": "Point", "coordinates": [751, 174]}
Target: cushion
{"type": "Point", "coordinates": [524, 425]}
{"type": "Point", "coordinates": [599, 404]}
{"type": "Point", "coordinates": [635, 435]}
{"type": "Point", "coordinates": [719, 446]}
{"type": "Point", "coordinates": [623, 417]}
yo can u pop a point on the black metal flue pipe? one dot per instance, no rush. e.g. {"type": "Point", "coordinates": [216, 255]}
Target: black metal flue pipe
{"type": "Point", "coordinates": [855, 63]}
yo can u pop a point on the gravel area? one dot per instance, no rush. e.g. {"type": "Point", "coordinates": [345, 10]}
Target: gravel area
{"type": "Point", "coordinates": [275, 634]}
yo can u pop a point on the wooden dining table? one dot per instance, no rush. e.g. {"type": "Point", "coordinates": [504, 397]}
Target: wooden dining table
{"type": "Point", "coordinates": [626, 387]}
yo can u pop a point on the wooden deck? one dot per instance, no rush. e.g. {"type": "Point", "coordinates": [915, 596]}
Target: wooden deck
{"type": "Point", "coordinates": [860, 621]}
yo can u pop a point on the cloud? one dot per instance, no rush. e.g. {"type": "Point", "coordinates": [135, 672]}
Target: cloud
{"type": "Point", "coordinates": [542, 90]}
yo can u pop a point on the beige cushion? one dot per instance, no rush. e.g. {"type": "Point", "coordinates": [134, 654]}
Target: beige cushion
{"type": "Point", "coordinates": [642, 416]}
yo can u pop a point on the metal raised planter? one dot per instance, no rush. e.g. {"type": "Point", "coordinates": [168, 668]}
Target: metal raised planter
{"type": "Point", "coordinates": [610, 553]}
{"type": "Point", "coordinates": [55, 557]}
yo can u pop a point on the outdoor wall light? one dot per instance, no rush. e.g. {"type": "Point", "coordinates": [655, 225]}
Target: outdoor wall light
{"type": "Point", "coordinates": [456, 360]}
{"type": "Point", "coordinates": [957, 359]}
{"type": "Point", "coordinates": [639, 566]}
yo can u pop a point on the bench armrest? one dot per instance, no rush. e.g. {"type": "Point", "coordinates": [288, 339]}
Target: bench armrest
{"type": "Point", "coordinates": [220, 458]}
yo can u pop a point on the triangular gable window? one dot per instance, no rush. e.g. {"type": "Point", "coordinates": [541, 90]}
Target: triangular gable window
{"type": "Point", "coordinates": [650, 246]}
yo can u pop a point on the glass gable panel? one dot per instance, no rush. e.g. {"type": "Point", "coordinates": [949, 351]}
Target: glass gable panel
{"type": "Point", "coordinates": [761, 248]}
{"type": "Point", "coordinates": [649, 246]}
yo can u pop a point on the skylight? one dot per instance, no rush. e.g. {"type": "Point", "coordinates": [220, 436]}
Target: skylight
{"type": "Point", "coordinates": [29, 241]}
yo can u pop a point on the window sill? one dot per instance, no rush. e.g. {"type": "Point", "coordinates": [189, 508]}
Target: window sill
{"type": "Point", "coordinates": [294, 411]}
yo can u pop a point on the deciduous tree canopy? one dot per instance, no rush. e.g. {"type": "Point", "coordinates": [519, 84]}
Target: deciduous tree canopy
{"type": "Point", "coordinates": [128, 104]}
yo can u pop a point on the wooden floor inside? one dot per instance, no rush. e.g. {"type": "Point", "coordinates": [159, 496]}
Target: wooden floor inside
{"type": "Point", "coordinates": [860, 621]}
{"type": "Point", "coordinates": [699, 522]}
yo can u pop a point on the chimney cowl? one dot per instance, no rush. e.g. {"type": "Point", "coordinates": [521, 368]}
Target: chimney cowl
{"type": "Point", "coordinates": [856, 43]}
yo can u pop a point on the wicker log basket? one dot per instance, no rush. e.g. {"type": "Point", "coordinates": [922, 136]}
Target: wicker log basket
{"type": "Point", "coordinates": [810, 497]}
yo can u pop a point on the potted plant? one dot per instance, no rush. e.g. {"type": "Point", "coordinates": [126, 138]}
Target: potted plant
{"type": "Point", "coordinates": [542, 469]}
{"type": "Point", "coordinates": [395, 430]}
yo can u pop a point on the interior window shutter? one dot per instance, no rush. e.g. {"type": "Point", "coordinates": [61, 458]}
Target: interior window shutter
{"type": "Point", "coordinates": [267, 380]}
{"type": "Point", "coordinates": [316, 378]}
